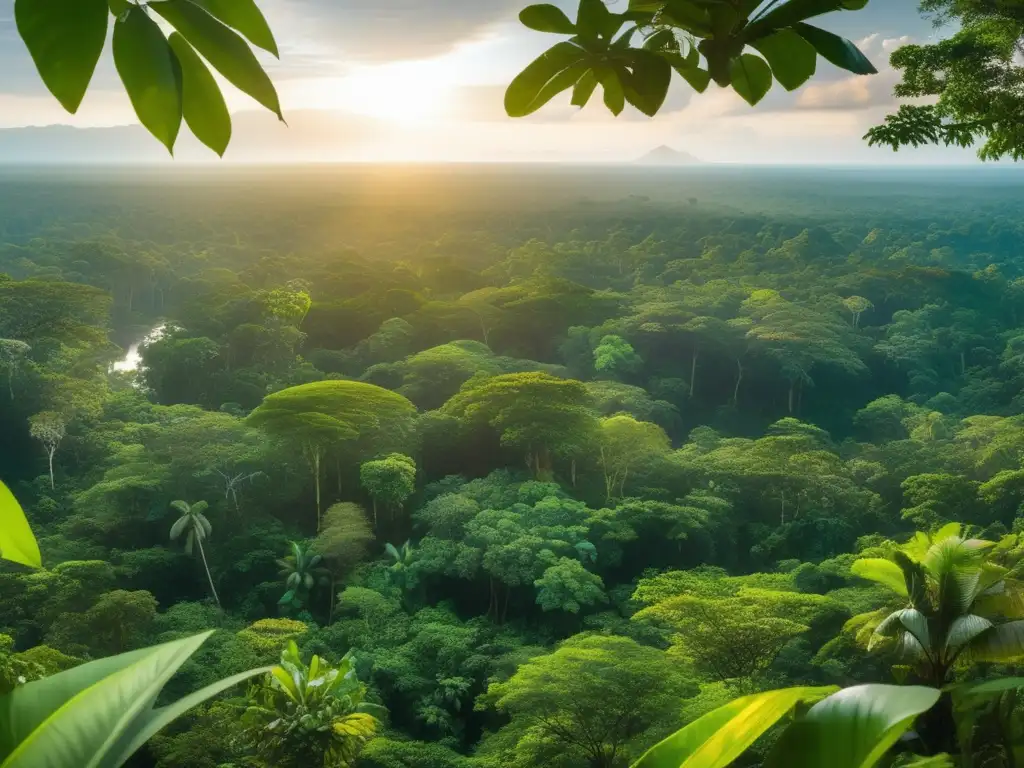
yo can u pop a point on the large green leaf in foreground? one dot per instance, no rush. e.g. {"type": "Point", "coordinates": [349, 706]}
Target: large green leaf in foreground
{"type": "Point", "coordinates": [720, 736]}
{"type": "Point", "coordinates": [853, 728]}
{"type": "Point", "coordinates": [17, 543]}
{"type": "Point", "coordinates": [98, 714]}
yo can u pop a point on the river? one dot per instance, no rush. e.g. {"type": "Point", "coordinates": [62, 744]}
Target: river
{"type": "Point", "coordinates": [133, 358]}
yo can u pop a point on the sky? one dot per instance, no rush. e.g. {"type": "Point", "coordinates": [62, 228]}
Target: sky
{"type": "Point", "coordinates": [422, 80]}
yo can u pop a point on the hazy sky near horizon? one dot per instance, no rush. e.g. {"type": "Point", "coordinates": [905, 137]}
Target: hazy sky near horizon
{"type": "Point", "coordinates": [428, 78]}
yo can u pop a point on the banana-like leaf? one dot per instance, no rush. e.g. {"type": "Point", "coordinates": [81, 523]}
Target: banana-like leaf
{"type": "Point", "coordinates": [988, 687]}
{"type": "Point", "coordinates": [720, 736]}
{"type": "Point", "coordinates": [179, 526]}
{"type": "Point", "coordinates": [17, 544]}
{"type": "Point", "coordinates": [882, 571]}
{"type": "Point", "coordinates": [966, 628]}
{"type": "Point", "coordinates": [1004, 642]}
{"type": "Point", "coordinates": [917, 624]}
{"type": "Point", "coordinates": [96, 715]}
{"type": "Point", "coordinates": [853, 728]}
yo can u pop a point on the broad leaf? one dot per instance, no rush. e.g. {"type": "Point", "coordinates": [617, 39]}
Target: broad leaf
{"type": "Point", "coordinates": [74, 719]}
{"type": "Point", "coordinates": [17, 544]}
{"type": "Point", "coordinates": [793, 60]}
{"type": "Point", "coordinates": [751, 77]}
{"type": "Point", "coordinates": [144, 727]}
{"type": "Point", "coordinates": [150, 73]}
{"type": "Point", "coordinates": [614, 93]}
{"type": "Point", "coordinates": [534, 86]}
{"type": "Point", "coordinates": [882, 571]}
{"type": "Point", "coordinates": [837, 50]}
{"type": "Point", "coordinates": [547, 18]}
{"type": "Point", "coordinates": [1004, 642]}
{"type": "Point", "coordinates": [245, 17]}
{"type": "Point", "coordinates": [65, 39]}
{"type": "Point", "coordinates": [223, 48]}
{"type": "Point", "coordinates": [647, 87]}
{"type": "Point", "coordinates": [205, 112]}
{"type": "Point", "coordinates": [965, 628]}
{"type": "Point", "coordinates": [722, 735]}
{"type": "Point", "coordinates": [989, 687]}
{"type": "Point", "coordinates": [853, 728]}
{"type": "Point", "coordinates": [792, 12]}
{"type": "Point", "coordinates": [595, 20]}
{"type": "Point", "coordinates": [584, 89]}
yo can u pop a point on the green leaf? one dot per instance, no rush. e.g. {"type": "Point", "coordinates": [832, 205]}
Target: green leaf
{"type": "Point", "coordinates": [150, 722]}
{"type": "Point", "coordinates": [594, 20]}
{"type": "Point", "coordinates": [837, 50]}
{"type": "Point", "coordinates": [751, 77]}
{"type": "Point", "coordinates": [795, 11]}
{"type": "Point", "coordinates": [245, 17]}
{"type": "Point", "coordinates": [647, 86]}
{"type": "Point", "coordinates": [17, 544]}
{"type": "Point", "coordinates": [119, 7]}
{"type": "Point", "coordinates": [65, 39]}
{"type": "Point", "coordinates": [547, 18]}
{"type": "Point", "coordinates": [223, 48]}
{"type": "Point", "coordinates": [202, 103]}
{"type": "Point", "coordinates": [584, 89]}
{"type": "Point", "coordinates": [989, 687]}
{"type": "Point", "coordinates": [882, 571]}
{"type": "Point", "coordinates": [150, 73]}
{"type": "Point", "coordinates": [722, 735]}
{"type": "Point", "coordinates": [533, 87]}
{"type": "Point", "coordinates": [793, 60]}
{"type": "Point", "coordinates": [1004, 642]}
{"type": "Point", "coordinates": [614, 93]}
{"type": "Point", "coordinates": [853, 728]}
{"type": "Point", "coordinates": [97, 714]}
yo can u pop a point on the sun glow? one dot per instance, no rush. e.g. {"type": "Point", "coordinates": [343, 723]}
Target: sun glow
{"type": "Point", "coordinates": [405, 93]}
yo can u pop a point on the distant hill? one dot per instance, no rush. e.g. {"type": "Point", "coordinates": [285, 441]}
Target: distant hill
{"type": "Point", "coordinates": [665, 155]}
{"type": "Point", "coordinates": [310, 135]}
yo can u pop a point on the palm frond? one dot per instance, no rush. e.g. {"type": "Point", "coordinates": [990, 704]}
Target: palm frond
{"type": "Point", "coordinates": [181, 506]}
{"type": "Point", "coordinates": [200, 507]}
{"type": "Point", "coordinates": [179, 526]}
{"type": "Point", "coordinates": [965, 628]}
{"type": "Point", "coordinates": [190, 541]}
{"type": "Point", "coordinates": [1004, 642]}
{"type": "Point", "coordinates": [201, 518]}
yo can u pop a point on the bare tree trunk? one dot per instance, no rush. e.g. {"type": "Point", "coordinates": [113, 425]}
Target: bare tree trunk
{"type": "Point", "coordinates": [693, 370]}
{"type": "Point", "coordinates": [206, 567]}
{"type": "Point", "coordinates": [792, 384]}
{"type": "Point", "coordinates": [739, 380]}
{"type": "Point", "coordinates": [51, 452]}
{"type": "Point", "coordinates": [316, 474]}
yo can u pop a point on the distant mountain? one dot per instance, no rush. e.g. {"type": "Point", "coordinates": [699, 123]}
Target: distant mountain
{"type": "Point", "coordinates": [665, 155]}
{"type": "Point", "coordinates": [310, 136]}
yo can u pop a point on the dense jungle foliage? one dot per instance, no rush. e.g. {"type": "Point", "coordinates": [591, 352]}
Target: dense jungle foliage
{"type": "Point", "coordinates": [545, 463]}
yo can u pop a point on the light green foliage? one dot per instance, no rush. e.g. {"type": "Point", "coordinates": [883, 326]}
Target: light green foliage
{"type": "Point", "coordinates": [615, 356]}
{"type": "Point", "coordinates": [118, 621]}
{"type": "Point", "coordinates": [383, 752]}
{"type": "Point", "coordinates": [624, 444]}
{"type": "Point", "coordinates": [266, 636]}
{"type": "Point", "coordinates": [592, 701]}
{"type": "Point", "coordinates": [390, 481]}
{"type": "Point", "coordinates": [344, 418]}
{"type": "Point", "coordinates": [568, 586]}
{"type": "Point", "coordinates": [304, 715]}
{"type": "Point", "coordinates": [541, 416]}
{"type": "Point", "coordinates": [345, 539]}
{"type": "Point", "coordinates": [732, 628]}
{"type": "Point", "coordinates": [960, 601]}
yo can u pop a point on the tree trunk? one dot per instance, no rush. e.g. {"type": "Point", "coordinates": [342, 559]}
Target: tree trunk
{"type": "Point", "coordinates": [937, 727]}
{"type": "Point", "coordinates": [316, 482]}
{"type": "Point", "coordinates": [10, 383]}
{"type": "Point", "coordinates": [792, 384]}
{"type": "Point", "coordinates": [739, 380]}
{"type": "Point", "coordinates": [693, 370]}
{"type": "Point", "coordinates": [504, 610]}
{"type": "Point", "coordinates": [572, 472]}
{"type": "Point", "coordinates": [374, 502]}
{"type": "Point", "coordinates": [206, 567]}
{"type": "Point", "coordinates": [963, 363]}
{"type": "Point", "coordinates": [51, 452]}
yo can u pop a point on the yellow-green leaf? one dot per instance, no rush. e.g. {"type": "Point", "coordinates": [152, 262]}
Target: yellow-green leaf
{"type": "Point", "coordinates": [17, 544]}
{"type": "Point", "coordinates": [722, 735]}
{"type": "Point", "coordinates": [882, 571]}
{"type": "Point", "coordinates": [201, 100]}
{"type": "Point", "coordinates": [245, 17]}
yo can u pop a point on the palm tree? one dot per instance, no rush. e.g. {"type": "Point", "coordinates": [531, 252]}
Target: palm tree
{"type": "Point", "coordinates": [302, 571]}
{"type": "Point", "coordinates": [958, 600]}
{"type": "Point", "coordinates": [198, 527]}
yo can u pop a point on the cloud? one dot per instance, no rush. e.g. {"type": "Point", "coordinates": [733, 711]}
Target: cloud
{"type": "Point", "coordinates": [386, 30]}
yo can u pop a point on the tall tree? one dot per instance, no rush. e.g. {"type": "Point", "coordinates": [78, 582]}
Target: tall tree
{"type": "Point", "coordinates": [625, 443]}
{"type": "Point", "coordinates": [350, 419]}
{"type": "Point", "coordinates": [389, 481]}
{"type": "Point", "coordinates": [343, 542]}
{"type": "Point", "coordinates": [12, 355]}
{"type": "Point", "coordinates": [194, 525]}
{"type": "Point", "coordinates": [49, 429]}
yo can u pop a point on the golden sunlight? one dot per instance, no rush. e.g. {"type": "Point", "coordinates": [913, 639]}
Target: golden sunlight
{"type": "Point", "coordinates": [406, 93]}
